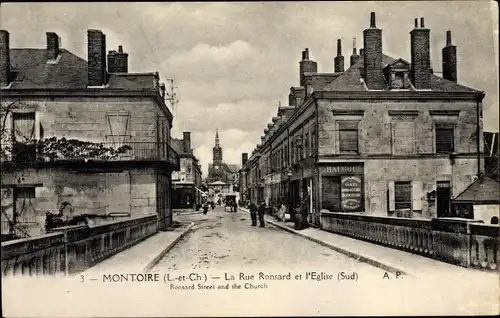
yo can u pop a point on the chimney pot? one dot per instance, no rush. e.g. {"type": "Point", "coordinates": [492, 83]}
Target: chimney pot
{"type": "Point", "coordinates": [306, 54]}
{"type": "Point", "coordinates": [354, 46]}
{"type": "Point", "coordinates": [120, 49]}
{"type": "Point", "coordinates": [372, 20]}
{"type": "Point", "coordinates": [52, 45]}
{"type": "Point", "coordinates": [4, 58]}
{"type": "Point", "coordinates": [339, 47]}
{"type": "Point", "coordinates": [448, 38]}
{"type": "Point", "coordinates": [422, 24]}
{"type": "Point", "coordinates": [416, 23]}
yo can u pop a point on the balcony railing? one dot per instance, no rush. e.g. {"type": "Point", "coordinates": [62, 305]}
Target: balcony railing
{"type": "Point", "coordinates": [78, 151]}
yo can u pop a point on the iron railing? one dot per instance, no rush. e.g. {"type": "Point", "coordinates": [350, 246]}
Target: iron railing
{"type": "Point", "coordinates": [106, 151]}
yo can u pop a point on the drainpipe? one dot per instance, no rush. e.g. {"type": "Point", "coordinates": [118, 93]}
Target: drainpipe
{"type": "Point", "coordinates": [478, 137]}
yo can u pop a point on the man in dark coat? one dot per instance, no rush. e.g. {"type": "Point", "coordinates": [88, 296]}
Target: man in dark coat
{"type": "Point", "coordinates": [262, 210]}
{"type": "Point", "coordinates": [253, 213]}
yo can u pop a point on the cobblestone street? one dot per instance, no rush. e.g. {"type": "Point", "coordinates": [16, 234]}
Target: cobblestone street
{"type": "Point", "coordinates": [226, 241]}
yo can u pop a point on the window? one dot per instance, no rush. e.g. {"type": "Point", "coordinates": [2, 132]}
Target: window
{"type": "Point", "coordinates": [24, 204]}
{"type": "Point", "coordinates": [23, 135]}
{"type": "Point", "coordinates": [402, 195]}
{"type": "Point", "coordinates": [444, 138]}
{"type": "Point", "coordinates": [313, 140]}
{"type": "Point", "coordinates": [398, 80]}
{"type": "Point", "coordinates": [348, 136]}
{"type": "Point", "coordinates": [306, 146]}
{"type": "Point", "coordinates": [292, 148]}
{"type": "Point", "coordinates": [286, 156]}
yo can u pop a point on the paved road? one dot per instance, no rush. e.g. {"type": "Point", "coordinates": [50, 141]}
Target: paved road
{"type": "Point", "coordinates": [226, 241]}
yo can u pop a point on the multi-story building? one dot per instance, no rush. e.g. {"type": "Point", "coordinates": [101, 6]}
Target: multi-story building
{"type": "Point", "coordinates": [243, 176]}
{"type": "Point", "coordinates": [186, 183]}
{"type": "Point", "coordinates": [78, 135]}
{"type": "Point", "coordinates": [384, 137]}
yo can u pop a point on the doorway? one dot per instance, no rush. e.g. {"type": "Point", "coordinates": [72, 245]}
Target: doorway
{"type": "Point", "coordinates": [443, 199]}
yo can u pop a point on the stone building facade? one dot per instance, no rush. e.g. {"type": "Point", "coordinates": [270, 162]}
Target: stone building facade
{"type": "Point", "coordinates": [383, 137]}
{"type": "Point", "coordinates": [186, 182]}
{"type": "Point", "coordinates": [52, 94]}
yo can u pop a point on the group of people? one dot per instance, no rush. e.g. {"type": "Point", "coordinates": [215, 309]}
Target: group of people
{"type": "Point", "coordinates": [257, 210]}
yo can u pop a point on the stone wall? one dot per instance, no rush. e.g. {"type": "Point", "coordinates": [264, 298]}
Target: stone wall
{"type": "Point", "coordinates": [375, 132]}
{"type": "Point", "coordinates": [130, 191]}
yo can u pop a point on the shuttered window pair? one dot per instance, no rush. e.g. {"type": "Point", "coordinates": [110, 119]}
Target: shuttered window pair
{"type": "Point", "coordinates": [405, 195]}
{"type": "Point", "coordinates": [445, 138]}
{"type": "Point", "coordinates": [348, 136]}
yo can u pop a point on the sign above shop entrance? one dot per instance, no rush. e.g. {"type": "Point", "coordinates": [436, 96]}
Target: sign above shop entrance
{"type": "Point", "coordinates": [342, 169]}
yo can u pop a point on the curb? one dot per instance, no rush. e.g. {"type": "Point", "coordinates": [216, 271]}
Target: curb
{"type": "Point", "coordinates": [357, 257]}
{"type": "Point", "coordinates": [159, 257]}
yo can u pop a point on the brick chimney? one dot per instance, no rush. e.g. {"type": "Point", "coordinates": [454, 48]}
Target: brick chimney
{"type": "Point", "coordinates": [420, 56]}
{"type": "Point", "coordinates": [339, 59]}
{"type": "Point", "coordinates": [96, 58]}
{"type": "Point", "coordinates": [306, 66]}
{"type": "Point", "coordinates": [4, 58]}
{"type": "Point", "coordinates": [449, 59]}
{"type": "Point", "coordinates": [186, 138]}
{"type": "Point", "coordinates": [373, 73]}
{"type": "Point", "coordinates": [354, 56]}
{"type": "Point", "coordinates": [117, 61]}
{"type": "Point", "coordinates": [361, 52]}
{"type": "Point", "coordinates": [52, 45]}
{"type": "Point", "coordinates": [244, 158]}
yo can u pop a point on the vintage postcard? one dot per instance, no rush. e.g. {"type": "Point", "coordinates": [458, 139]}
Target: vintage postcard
{"type": "Point", "coordinates": [238, 159]}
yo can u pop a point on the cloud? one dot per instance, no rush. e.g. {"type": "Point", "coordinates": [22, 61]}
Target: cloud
{"type": "Point", "coordinates": [202, 53]}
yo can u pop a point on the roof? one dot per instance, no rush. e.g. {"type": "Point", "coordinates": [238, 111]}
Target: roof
{"type": "Point", "coordinates": [177, 145]}
{"type": "Point", "coordinates": [31, 69]}
{"type": "Point", "coordinates": [483, 191]}
{"type": "Point", "coordinates": [350, 79]}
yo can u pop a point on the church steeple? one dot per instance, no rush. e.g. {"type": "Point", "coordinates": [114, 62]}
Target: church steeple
{"type": "Point", "coordinates": [216, 137]}
{"type": "Point", "coordinates": [217, 150]}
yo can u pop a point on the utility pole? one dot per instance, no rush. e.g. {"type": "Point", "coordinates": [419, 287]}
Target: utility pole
{"type": "Point", "coordinates": [171, 95]}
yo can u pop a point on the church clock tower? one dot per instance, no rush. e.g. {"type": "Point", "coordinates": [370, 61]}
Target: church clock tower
{"type": "Point", "coordinates": [217, 152]}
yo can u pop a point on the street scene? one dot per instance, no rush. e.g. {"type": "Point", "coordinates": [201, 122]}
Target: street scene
{"type": "Point", "coordinates": [179, 159]}
{"type": "Point", "coordinates": [227, 241]}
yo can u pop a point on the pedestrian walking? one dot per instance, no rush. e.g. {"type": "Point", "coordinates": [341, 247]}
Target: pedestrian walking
{"type": "Point", "coordinates": [253, 213]}
{"type": "Point", "coordinates": [261, 211]}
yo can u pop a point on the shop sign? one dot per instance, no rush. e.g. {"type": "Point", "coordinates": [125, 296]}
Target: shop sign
{"type": "Point", "coordinates": [351, 187]}
{"type": "Point", "coordinates": [343, 170]}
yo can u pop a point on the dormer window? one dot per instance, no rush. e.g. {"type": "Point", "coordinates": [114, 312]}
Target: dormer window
{"type": "Point", "coordinates": [398, 79]}
{"type": "Point", "coordinates": [397, 74]}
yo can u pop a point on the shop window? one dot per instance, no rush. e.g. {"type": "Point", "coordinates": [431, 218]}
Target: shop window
{"type": "Point", "coordinates": [402, 195]}
{"type": "Point", "coordinates": [348, 137]}
{"type": "Point", "coordinates": [342, 193]}
{"type": "Point", "coordinates": [444, 138]}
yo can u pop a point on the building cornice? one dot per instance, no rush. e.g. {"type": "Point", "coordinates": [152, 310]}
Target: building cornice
{"type": "Point", "coordinates": [398, 95]}
{"type": "Point", "coordinates": [89, 92]}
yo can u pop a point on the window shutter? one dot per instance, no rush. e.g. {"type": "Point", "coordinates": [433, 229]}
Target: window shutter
{"type": "Point", "coordinates": [392, 197]}
{"type": "Point", "coordinates": [38, 115]}
{"type": "Point", "coordinates": [417, 195]}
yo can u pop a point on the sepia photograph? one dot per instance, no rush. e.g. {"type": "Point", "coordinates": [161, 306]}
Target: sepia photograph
{"type": "Point", "coordinates": [237, 159]}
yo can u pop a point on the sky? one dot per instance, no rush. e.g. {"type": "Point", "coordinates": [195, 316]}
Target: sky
{"type": "Point", "coordinates": [233, 63]}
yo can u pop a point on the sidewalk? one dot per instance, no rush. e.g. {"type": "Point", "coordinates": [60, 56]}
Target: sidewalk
{"type": "Point", "coordinates": [388, 259]}
{"type": "Point", "coordinates": [142, 256]}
